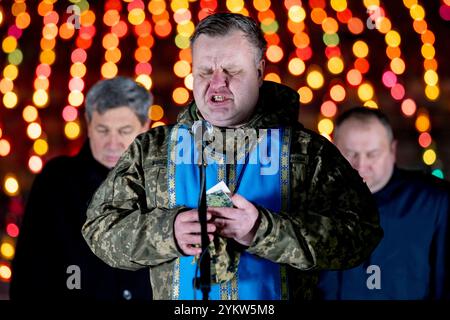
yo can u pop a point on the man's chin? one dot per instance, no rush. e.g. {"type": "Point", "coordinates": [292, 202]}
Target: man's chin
{"type": "Point", "coordinates": [110, 161]}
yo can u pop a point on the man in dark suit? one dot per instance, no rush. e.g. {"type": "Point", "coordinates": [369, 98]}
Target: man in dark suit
{"type": "Point", "coordinates": [52, 259]}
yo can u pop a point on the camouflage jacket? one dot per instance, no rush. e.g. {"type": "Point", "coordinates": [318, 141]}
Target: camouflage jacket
{"type": "Point", "coordinates": [332, 224]}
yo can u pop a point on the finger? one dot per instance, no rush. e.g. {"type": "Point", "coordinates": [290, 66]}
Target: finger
{"type": "Point", "coordinates": [240, 202]}
{"type": "Point", "coordinates": [223, 212]}
{"type": "Point", "coordinates": [192, 216]}
{"type": "Point", "coordinates": [191, 239]}
{"type": "Point", "coordinates": [188, 216]}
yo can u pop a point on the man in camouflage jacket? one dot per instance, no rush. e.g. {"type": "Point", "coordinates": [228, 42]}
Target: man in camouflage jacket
{"type": "Point", "coordinates": [331, 221]}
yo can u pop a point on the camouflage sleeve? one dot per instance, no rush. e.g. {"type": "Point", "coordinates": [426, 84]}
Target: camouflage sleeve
{"type": "Point", "coordinates": [335, 223]}
{"type": "Point", "coordinates": [121, 228]}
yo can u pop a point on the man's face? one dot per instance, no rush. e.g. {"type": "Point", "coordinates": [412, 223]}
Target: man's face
{"type": "Point", "coordinates": [112, 132]}
{"type": "Point", "coordinates": [367, 147]}
{"type": "Point", "coordinates": [226, 78]}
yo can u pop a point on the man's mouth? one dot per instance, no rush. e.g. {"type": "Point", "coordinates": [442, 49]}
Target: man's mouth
{"type": "Point", "coordinates": [218, 98]}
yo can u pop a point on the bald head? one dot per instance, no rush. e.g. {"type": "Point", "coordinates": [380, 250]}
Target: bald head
{"type": "Point", "coordinates": [366, 141]}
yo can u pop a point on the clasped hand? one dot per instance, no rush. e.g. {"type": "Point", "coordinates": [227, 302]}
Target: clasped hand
{"type": "Point", "coordinates": [239, 223]}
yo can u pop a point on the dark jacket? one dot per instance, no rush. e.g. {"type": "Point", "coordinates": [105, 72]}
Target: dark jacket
{"type": "Point", "coordinates": [50, 239]}
{"type": "Point", "coordinates": [332, 221]}
{"type": "Point", "coordinates": [413, 258]}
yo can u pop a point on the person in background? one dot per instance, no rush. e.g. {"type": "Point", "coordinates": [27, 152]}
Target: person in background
{"type": "Point", "coordinates": [52, 259]}
{"type": "Point", "coordinates": [412, 260]}
{"type": "Point", "coordinates": [295, 210]}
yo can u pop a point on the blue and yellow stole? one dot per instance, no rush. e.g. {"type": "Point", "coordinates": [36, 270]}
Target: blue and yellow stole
{"type": "Point", "coordinates": [261, 183]}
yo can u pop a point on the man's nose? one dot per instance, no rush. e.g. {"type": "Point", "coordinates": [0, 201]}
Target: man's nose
{"type": "Point", "coordinates": [361, 163]}
{"type": "Point", "coordinates": [219, 79]}
{"type": "Point", "coordinates": [114, 141]}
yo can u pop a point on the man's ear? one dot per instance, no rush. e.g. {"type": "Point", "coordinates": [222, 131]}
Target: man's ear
{"type": "Point", "coordinates": [261, 68]}
{"type": "Point", "coordinates": [394, 147]}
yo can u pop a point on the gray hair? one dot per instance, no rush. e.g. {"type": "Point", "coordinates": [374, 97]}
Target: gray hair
{"type": "Point", "coordinates": [119, 92]}
{"type": "Point", "coordinates": [364, 114]}
{"type": "Point", "coordinates": [221, 24]}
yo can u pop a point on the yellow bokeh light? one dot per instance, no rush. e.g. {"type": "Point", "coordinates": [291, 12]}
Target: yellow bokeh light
{"type": "Point", "coordinates": [384, 25]}
{"type": "Point", "coordinates": [5, 272]}
{"type": "Point", "coordinates": [272, 76]}
{"type": "Point", "coordinates": [110, 41]}
{"type": "Point", "coordinates": [75, 98]}
{"type": "Point", "coordinates": [428, 51]}
{"type": "Point", "coordinates": [397, 65]}
{"type": "Point", "coordinates": [50, 31]}
{"type": "Point", "coordinates": [113, 55]}
{"type": "Point", "coordinates": [7, 250]}
{"type": "Point", "coordinates": [431, 77]}
{"type": "Point", "coordinates": [325, 126]}
{"type": "Point", "coordinates": [297, 13]}
{"type": "Point", "coordinates": [72, 130]}
{"type": "Point", "coordinates": [306, 94]}
{"type": "Point", "coordinates": [109, 70]}
{"type": "Point", "coordinates": [339, 5]}
{"type": "Point", "coordinates": [111, 17]}
{"type": "Point", "coordinates": [261, 5]}
{"type": "Point", "coordinates": [330, 25]}
{"type": "Point", "coordinates": [78, 70]}
{"type": "Point", "coordinates": [5, 148]}
{"type": "Point", "coordinates": [365, 92]}
{"type": "Point", "coordinates": [392, 38]}
{"type": "Point", "coordinates": [182, 68]}
{"type": "Point", "coordinates": [145, 80]}
{"type": "Point", "coordinates": [335, 65]}
{"type": "Point", "coordinates": [186, 29]}
{"type": "Point", "coordinates": [274, 53]}
{"type": "Point", "coordinates": [11, 72]}
{"type": "Point", "coordinates": [189, 82]}
{"type": "Point", "coordinates": [30, 113]}
{"type": "Point", "coordinates": [296, 66]}
{"type": "Point", "coordinates": [47, 57]}
{"type": "Point", "coordinates": [41, 83]}
{"type": "Point", "coordinates": [34, 130]}
{"type": "Point", "coordinates": [235, 5]}
{"type": "Point", "coordinates": [370, 104]}
{"type": "Point", "coordinates": [179, 4]}
{"type": "Point", "coordinates": [9, 44]}
{"type": "Point", "coordinates": [417, 12]}
{"type": "Point", "coordinates": [157, 124]}
{"type": "Point", "coordinates": [23, 20]}
{"type": "Point", "coordinates": [40, 147]}
{"type": "Point", "coordinates": [360, 49]}
{"type": "Point", "coordinates": [6, 85]}
{"type": "Point", "coordinates": [87, 18]}
{"type": "Point", "coordinates": [429, 157]}
{"type": "Point", "coordinates": [423, 123]}
{"type": "Point", "coordinates": [409, 3]}
{"type": "Point", "coordinates": [10, 100]}
{"type": "Point", "coordinates": [180, 95]}
{"type": "Point", "coordinates": [315, 79]}
{"type": "Point", "coordinates": [35, 164]}
{"type": "Point", "coordinates": [432, 92]}
{"type": "Point", "coordinates": [156, 112]}
{"type": "Point", "coordinates": [368, 3]}
{"type": "Point", "coordinates": [337, 93]}
{"type": "Point", "coordinates": [136, 16]}
{"type": "Point", "coordinates": [156, 7]}
{"type": "Point", "coordinates": [11, 185]}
